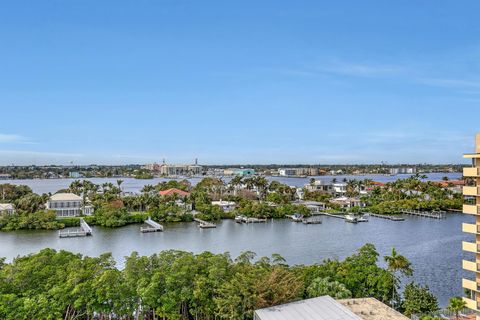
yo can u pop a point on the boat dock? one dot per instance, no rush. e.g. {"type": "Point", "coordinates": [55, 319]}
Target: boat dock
{"type": "Point", "coordinates": [153, 226]}
{"type": "Point", "coordinates": [340, 216]}
{"type": "Point", "coordinates": [255, 220]}
{"type": "Point", "coordinates": [312, 220]}
{"type": "Point", "coordinates": [426, 214]}
{"type": "Point", "coordinates": [83, 231]}
{"type": "Point", "coordinates": [204, 224]}
{"type": "Point", "coordinates": [388, 217]}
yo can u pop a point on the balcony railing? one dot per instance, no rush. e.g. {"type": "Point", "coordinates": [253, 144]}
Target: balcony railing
{"type": "Point", "coordinates": [470, 228]}
{"type": "Point", "coordinates": [471, 191]}
{"type": "Point", "coordinates": [471, 209]}
{"type": "Point", "coordinates": [471, 304]}
{"type": "Point", "coordinates": [471, 172]}
{"type": "Point", "coordinates": [469, 284]}
{"type": "Point", "coordinates": [469, 247]}
{"type": "Point", "coordinates": [469, 265]}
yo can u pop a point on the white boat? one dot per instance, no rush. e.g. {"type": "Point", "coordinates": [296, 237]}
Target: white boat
{"type": "Point", "coordinates": [239, 219]}
{"type": "Point", "coordinates": [296, 217]}
{"type": "Point", "coordinates": [351, 218]}
{"type": "Point", "coordinates": [363, 218]}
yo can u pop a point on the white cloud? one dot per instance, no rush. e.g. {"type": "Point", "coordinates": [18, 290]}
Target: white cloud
{"type": "Point", "coordinates": [39, 154]}
{"type": "Point", "coordinates": [362, 69]}
{"type": "Point", "coordinates": [10, 138]}
{"type": "Point", "coordinates": [451, 83]}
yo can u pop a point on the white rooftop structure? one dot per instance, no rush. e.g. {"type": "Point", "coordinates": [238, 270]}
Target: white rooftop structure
{"type": "Point", "coordinates": [226, 206]}
{"type": "Point", "coordinates": [68, 205]}
{"type": "Point", "coordinates": [65, 197]}
{"type": "Point", "coordinates": [7, 207]}
{"type": "Point", "coordinates": [321, 308]}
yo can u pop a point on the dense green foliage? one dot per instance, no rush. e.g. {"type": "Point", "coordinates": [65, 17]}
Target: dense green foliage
{"type": "Point", "coordinates": [36, 220]}
{"type": "Point", "coordinates": [324, 286]}
{"type": "Point", "coordinates": [178, 285]}
{"type": "Point", "coordinates": [418, 300]}
{"type": "Point", "coordinates": [412, 193]}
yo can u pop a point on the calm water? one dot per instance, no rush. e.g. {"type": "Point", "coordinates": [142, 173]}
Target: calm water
{"type": "Point", "coordinates": [433, 246]}
{"type": "Point", "coordinates": [135, 185]}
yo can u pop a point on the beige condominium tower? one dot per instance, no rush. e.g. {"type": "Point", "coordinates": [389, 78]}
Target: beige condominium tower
{"type": "Point", "coordinates": [471, 193]}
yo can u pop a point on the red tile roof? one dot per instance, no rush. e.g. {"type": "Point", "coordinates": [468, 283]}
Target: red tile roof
{"type": "Point", "coordinates": [173, 191]}
{"type": "Point", "coordinates": [451, 183]}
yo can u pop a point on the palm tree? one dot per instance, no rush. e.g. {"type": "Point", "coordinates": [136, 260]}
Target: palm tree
{"type": "Point", "coordinates": [397, 263]}
{"type": "Point", "coordinates": [456, 304]}
{"type": "Point", "coordinates": [148, 188]}
{"type": "Point", "coordinates": [119, 183]}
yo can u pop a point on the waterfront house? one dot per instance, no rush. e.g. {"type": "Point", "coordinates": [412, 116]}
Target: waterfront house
{"type": "Point", "coordinates": [453, 185]}
{"type": "Point", "coordinates": [184, 205]}
{"type": "Point", "coordinates": [7, 208]}
{"type": "Point", "coordinates": [226, 206]}
{"type": "Point", "coordinates": [319, 185]}
{"type": "Point", "coordinates": [68, 205]}
{"type": "Point", "coordinates": [327, 308]}
{"type": "Point", "coordinates": [345, 202]}
{"type": "Point", "coordinates": [313, 206]}
{"type": "Point", "coordinates": [340, 188]}
{"type": "Point", "coordinates": [4, 176]}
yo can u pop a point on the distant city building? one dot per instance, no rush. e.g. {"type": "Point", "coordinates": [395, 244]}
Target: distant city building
{"type": "Point", "coordinates": [239, 172]}
{"type": "Point", "coordinates": [68, 205]}
{"type": "Point", "coordinates": [286, 172]}
{"type": "Point", "coordinates": [402, 170]}
{"type": "Point", "coordinates": [226, 206]}
{"type": "Point", "coordinates": [75, 175]}
{"type": "Point", "coordinates": [7, 208]}
{"type": "Point", "coordinates": [174, 169]}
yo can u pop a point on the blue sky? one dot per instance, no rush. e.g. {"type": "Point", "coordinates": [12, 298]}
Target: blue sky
{"type": "Point", "coordinates": [269, 81]}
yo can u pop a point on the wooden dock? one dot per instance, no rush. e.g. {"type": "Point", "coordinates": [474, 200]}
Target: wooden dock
{"type": "Point", "coordinates": [153, 226]}
{"type": "Point", "coordinates": [204, 224]}
{"type": "Point", "coordinates": [388, 217]}
{"type": "Point", "coordinates": [83, 231]}
{"type": "Point", "coordinates": [426, 214]}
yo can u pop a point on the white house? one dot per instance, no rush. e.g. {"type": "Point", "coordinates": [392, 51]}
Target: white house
{"type": "Point", "coordinates": [68, 205]}
{"type": "Point", "coordinates": [313, 206]}
{"type": "Point", "coordinates": [7, 208]}
{"type": "Point", "coordinates": [345, 202]}
{"type": "Point", "coordinates": [226, 206]}
{"type": "Point", "coordinates": [340, 188]}
{"type": "Point", "coordinates": [319, 185]}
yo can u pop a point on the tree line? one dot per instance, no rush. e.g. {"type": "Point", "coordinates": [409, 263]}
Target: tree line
{"type": "Point", "coordinates": [181, 285]}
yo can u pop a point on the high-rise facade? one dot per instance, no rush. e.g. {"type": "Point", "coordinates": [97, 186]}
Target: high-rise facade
{"type": "Point", "coordinates": [471, 193]}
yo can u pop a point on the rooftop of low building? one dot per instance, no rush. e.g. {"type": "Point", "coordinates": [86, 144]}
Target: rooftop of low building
{"type": "Point", "coordinates": [371, 309]}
